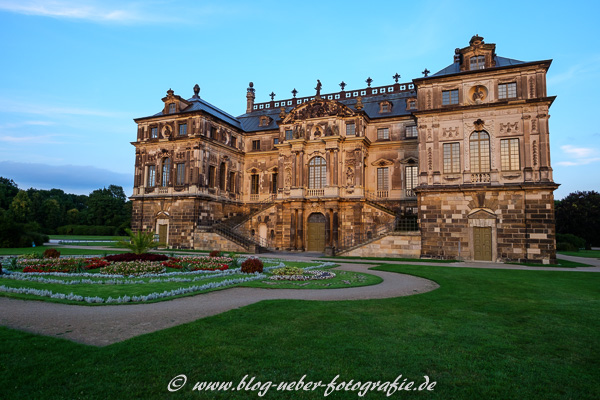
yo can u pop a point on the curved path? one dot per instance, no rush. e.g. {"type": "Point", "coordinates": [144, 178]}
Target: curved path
{"type": "Point", "coordinates": [104, 325]}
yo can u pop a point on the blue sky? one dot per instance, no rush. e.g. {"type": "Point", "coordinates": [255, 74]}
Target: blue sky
{"type": "Point", "coordinates": [75, 73]}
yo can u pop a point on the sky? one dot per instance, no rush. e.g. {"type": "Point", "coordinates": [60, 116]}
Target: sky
{"type": "Point", "coordinates": [75, 73]}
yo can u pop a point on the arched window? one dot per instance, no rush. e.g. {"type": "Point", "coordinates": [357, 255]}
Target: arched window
{"type": "Point", "coordinates": [317, 173]}
{"type": "Point", "coordinates": [480, 151]}
{"type": "Point", "coordinates": [165, 172]}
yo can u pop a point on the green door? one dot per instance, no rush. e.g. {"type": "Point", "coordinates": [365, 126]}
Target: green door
{"type": "Point", "coordinates": [483, 243]}
{"type": "Point", "coordinates": [162, 234]}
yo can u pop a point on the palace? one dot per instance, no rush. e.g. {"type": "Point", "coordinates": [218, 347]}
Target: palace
{"type": "Point", "coordinates": [451, 165]}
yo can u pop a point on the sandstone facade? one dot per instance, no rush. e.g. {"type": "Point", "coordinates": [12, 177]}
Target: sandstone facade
{"type": "Point", "coordinates": [466, 150]}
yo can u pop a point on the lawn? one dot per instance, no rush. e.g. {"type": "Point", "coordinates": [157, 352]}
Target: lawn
{"type": "Point", "coordinates": [582, 253]}
{"type": "Point", "coordinates": [484, 334]}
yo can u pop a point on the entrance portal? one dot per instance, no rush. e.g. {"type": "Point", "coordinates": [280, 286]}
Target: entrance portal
{"type": "Point", "coordinates": [482, 237]}
{"type": "Point", "coordinates": [315, 232]}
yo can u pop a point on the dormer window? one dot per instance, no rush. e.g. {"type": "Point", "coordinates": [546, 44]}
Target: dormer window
{"type": "Point", "coordinates": [385, 107]}
{"type": "Point", "coordinates": [411, 104]}
{"type": "Point", "coordinates": [172, 108]}
{"type": "Point", "coordinates": [264, 121]}
{"type": "Point", "coordinates": [477, 62]}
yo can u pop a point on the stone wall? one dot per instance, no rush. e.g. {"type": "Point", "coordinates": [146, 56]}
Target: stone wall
{"type": "Point", "coordinates": [395, 244]}
{"type": "Point", "coordinates": [521, 221]}
{"type": "Point", "coordinates": [213, 241]}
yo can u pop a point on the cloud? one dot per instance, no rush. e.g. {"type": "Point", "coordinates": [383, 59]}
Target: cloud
{"type": "Point", "coordinates": [79, 10]}
{"type": "Point", "coordinates": [577, 72]}
{"type": "Point", "coordinates": [30, 139]}
{"type": "Point", "coordinates": [76, 179]}
{"type": "Point", "coordinates": [579, 155]}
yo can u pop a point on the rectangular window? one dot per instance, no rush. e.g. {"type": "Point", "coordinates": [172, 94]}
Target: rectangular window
{"type": "Point", "coordinates": [383, 178]}
{"type": "Point", "coordinates": [180, 173]}
{"type": "Point", "coordinates": [411, 177]}
{"type": "Point", "coordinates": [275, 141]}
{"type": "Point", "coordinates": [153, 133]}
{"type": "Point", "coordinates": [211, 176]}
{"type": "Point", "coordinates": [509, 154]}
{"type": "Point", "coordinates": [254, 184]}
{"type": "Point", "coordinates": [411, 131]}
{"type": "Point", "coordinates": [507, 90]}
{"type": "Point", "coordinates": [385, 107]}
{"type": "Point", "coordinates": [451, 158]}
{"type": "Point", "coordinates": [383, 134]}
{"type": "Point", "coordinates": [182, 129]}
{"type": "Point", "coordinates": [151, 176]}
{"type": "Point", "coordinates": [449, 97]}
{"type": "Point", "coordinates": [172, 108]}
{"type": "Point", "coordinates": [256, 145]}
{"type": "Point", "coordinates": [350, 129]}
{"type": "Point", "coordinates": [231, 182]}
{"type": "Point", "coordinates": [477, 62]}
{"type": "Point", "coordinates": [274, 183]}
{"type": "Point", "coordinates": [233, 141]}
{"type": "Point", "coordinates": [289, 135]}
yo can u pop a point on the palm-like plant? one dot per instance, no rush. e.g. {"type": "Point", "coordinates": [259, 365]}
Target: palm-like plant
{"type": "Point", "coordinates": [139, 242]}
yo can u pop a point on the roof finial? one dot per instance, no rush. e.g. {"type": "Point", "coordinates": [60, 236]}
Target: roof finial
{"type": "Point", "coordinates": [197, 91]}
{"type": "Point", "coordinates": [425, 72]}
{"type": "Point", "coordinates": [396, 77]}
{"type": "Point", "coordinates": [369, 80]}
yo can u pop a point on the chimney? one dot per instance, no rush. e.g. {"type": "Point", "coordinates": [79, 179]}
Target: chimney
{"type": "Point", "coordinates": [250, 98]}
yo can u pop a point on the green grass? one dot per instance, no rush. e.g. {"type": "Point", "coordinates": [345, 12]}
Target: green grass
{"type": "Point", "coordinates": [87, 237]}
{"type": "Point", "coordinates": [63, 251]}
{"type": "Point", "coordinates": [582, 253]}
{"type": "Point", "coordinates": [484, 334]}
{"type": "Point", "coordinates": [429, 260]}
{"type": "Point", "coordinates": [559, 264]}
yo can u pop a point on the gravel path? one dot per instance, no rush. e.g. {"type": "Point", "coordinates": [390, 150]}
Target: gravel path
{"type": "Point", "coordinates": [104, 325]}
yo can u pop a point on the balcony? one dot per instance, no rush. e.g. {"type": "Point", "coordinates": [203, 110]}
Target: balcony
{"type": "Point", "coordinates": [480, 178]}
{"type": "Point", "coordinates": [409, 193]}
{"type": "Point", "coordinates": [315, 192]}
{"type": "Point", "coordinates": [383, 194]}
{"type": "Point", "coordinates": [254, 197]}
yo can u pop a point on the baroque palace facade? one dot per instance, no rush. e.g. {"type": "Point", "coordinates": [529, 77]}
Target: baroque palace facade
{"type": "Point", "coordinates": [451, 165]}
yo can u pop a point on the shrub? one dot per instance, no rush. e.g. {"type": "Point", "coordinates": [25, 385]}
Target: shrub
{"type": "Point", "coordinates": [568, 238]}
{"type": "Point", "coordinates": [252, 265]}
{"type": "Point", "coordinates": [214, 253]}
{"type": "Point", "coordinates": [136, 257]}
{"type": "Point", "coordinates": [51, 253]}
{"type": "Point", "coordinates": [139, 242]}
{"type": "Point", "coordinates": [564, 246]}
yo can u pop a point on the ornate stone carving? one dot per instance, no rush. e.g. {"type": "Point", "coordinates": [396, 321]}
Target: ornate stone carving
{"type": "Point", "coordinates": [534, 125]}
{"type": "Point", "coordinates": [509, 127]}
{"type": "Point", "coordinates": [318, 109]}
{"type": "Point", "coordinates": [450, 132]}
{"type": "Point", "coordinates": [350, 176]}
{"type": "Point", "coordinates": [428, 99]}
{"type": "Point", "coordinates": [429, 159]}
{"type": "Point", "coordinates": [535, 153]}
{"type": "Point", "coordinates": [531, 87]}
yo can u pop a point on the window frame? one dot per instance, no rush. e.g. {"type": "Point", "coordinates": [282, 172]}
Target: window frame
{"type": "Point", "coordinates": [165, 172]}
{"type": "Point", "coordinates": [317, 173]}
{"type": "Point", "coordinates": [151, 176]}
{"type": "Point", "coordinates": [479, 63]}
{"type": "Point", "coordinates": [510, 154]}
{"type": "Point", "coordinates": [154, 132]}
{"type": "Point", "coordinates": [413, 130]}
{"type": "Point", "coordinates": [254, 184]}
{"type": "Point", "coordinates": [289, 134]}
{"type": "Point", "coordinates": [449, 97]}
{"type": "Point", "coordinates": [383, 178]}
{"type": "Point", "coordinates": [479, 152]}
{"type": "Point", "coordinates": [256, 145]}
{"type": "Point", "coordinates": [352, 131]}
{"type": "Point", "coordinates": [180, 174]}
{"type": "Point", "coordinates": [507, 90]}
{"type": "Point", "coordinates": [172, 108]}
{"type": "Point", "coordinates": [451, 157]}
{"type": "Point", "coordinates": [183, 129]}
{"type": "Point", "coordinates": [383, 133]}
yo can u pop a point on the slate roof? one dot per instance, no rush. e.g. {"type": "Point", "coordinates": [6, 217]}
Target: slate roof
{"type": "Point", "coordinates": [455, 67]}
{"type": "Point", "coordinates": [200, 105]}
{"type": "Point", "coordinates": [250, 121]}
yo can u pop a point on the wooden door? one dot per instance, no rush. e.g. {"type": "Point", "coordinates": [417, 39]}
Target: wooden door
{"type": "Point", "coordinates": [162, 234]}
{"type": "Point", "coordinates": [315, 232]}
{"type": "Point", "coordinates": [482, 236]}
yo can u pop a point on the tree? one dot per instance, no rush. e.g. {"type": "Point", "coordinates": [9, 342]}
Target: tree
{"type": "Point", "coordinates": [579, 214]}
{"type": "Point", "coordinates": [52, 214]}
{"type": "Point", "coordinates": [8, 190]}
{"type": "Point", "coordinates": [20, 207]}
{"type": "Point", "coordinates": [139, 242]}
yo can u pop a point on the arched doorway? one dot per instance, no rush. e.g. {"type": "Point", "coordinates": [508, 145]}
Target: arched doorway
{"type": "Point", "coordinates": [315, 232]}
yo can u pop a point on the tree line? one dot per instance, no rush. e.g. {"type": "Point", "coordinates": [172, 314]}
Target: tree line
{"type": "Point", "coordinates": [27, 216]}
{"type": "Point", "coordinates": [578, 221]}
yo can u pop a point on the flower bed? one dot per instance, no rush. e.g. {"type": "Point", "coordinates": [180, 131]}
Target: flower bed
{"type": "Point", "coordinates": [68, 265]}
{"type": "Point", "coordinates": [199, 263]}
{"type": "Point", "coordinates": [307, 276]}
{"type": "Point", "coordinates": [133, 268]}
